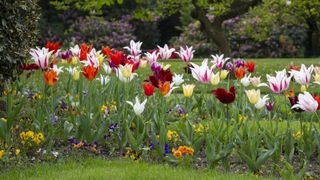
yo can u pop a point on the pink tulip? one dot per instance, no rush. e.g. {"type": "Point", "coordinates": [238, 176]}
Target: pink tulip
{"type": "Point", "coordinates": [306, 102]}
{"type": "Point", "coordinates": [303, 76]}
{"type": "Point", "coordinates": [186, 54]}
{"type": "Point", "coordinates": [41, 57]}
{"type": "Point", "coordinates": [202, 73]}
{"type": "Point", "coordinates": [278, 83]}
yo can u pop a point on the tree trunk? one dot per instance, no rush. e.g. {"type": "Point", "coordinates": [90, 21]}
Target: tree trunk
{"type": "Point", "coordinates": [313, 41]}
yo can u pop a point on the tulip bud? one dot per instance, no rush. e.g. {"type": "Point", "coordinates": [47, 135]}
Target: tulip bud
{"type": "Point", "coordinates": [76, 75]}
{"type": "Point", "coordinates": [303, 88]}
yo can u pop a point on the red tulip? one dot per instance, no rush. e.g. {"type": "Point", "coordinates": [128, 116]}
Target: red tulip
{"type": "Point", "coordinates": [84, 50]}
{"type": "Point", "coordinates": [148, 89]}
{"type": "Point", "coordinates": [250, 66]}
{"type": "Point", "coordinates": [29, 67]}
{"type": "Point", "coordinates": [90, 72]}
{"type": "Point", "coordinates": [52, 46]}
{"type": "Point", "coordinates": [160, 76]}
{"type": "Point", "coordinates": [224, 96]}
{"type": "Point", "coordinates": [116, 58]}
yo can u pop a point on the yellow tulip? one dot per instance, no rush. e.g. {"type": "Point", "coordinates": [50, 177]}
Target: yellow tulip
{"type": "Point", "coordinates": [100, 58]}
{"type": "Point", "coordinates": [223, 74]}
{"type": "Point", "coordinates": [188, 89]}
{"type": "Point", "coordinates": [2, 153]}
{"type": "Point", "coordinates": [76, 75]}
{"type": "Point", "coordinates": [253, 95]}
{"type": "Point", "coordinates": [74, 60]}
{"type": "Point", "coordinates": [126, 70]}
{"type": "Point", "coordinates": [317, 78]}
{"type": "Point", "coordinates": [215, 79]}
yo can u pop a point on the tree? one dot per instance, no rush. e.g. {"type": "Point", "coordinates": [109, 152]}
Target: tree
{"type": "Point", "coordinates": [211, 13]}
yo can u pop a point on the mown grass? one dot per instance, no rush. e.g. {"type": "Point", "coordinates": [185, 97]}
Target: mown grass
{"type": "Point", "coordinates": [115, 169]}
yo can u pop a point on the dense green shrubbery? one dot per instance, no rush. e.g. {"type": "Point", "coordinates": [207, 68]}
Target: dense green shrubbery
{"type": "Point", "coordinates": [18, 28]}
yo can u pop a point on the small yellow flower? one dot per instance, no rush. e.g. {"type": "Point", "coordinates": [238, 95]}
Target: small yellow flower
{"type": "Point", "coordinates": [297, 135]}
{"type": "Point", "coordinates": [103, 108]}
{"type": "Point", "coordinates": [253, 95]}
{"type": "Point", "coordinates": [215, 79]}
{"type": "Point", "coordinates": [223, 74]}
{"type": "Point", "coordinates": [188, 89]}
{"type": "Point", "coordinates": [242, 118]}
{"type": "Point", "coordinates": [3, 119]}
{"type": "Point", "coordinates": [2, 153]}
{"type": "Point", "coordinates": [17, 152]}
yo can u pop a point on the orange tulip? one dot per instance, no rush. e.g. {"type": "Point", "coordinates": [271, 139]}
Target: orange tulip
{"type": "Point", "coordinates": [50, 77]}
{"type": "Point", "coordinates": [90, 72]}
{"type": "Point", "coordinates": [239, 72]}
{"type": "Point", "coordinates": [164, 88]}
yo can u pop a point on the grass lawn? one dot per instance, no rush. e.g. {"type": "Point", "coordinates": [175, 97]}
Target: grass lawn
{"type": "Point", "coordinates": [115, 169]}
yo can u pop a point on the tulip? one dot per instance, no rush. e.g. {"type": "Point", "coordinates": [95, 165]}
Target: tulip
{"type": "Point", "coordinates": [50, 77]}
{"type": "Point", "coordinates": [152, 57]}
{"type": "Point", "coordinates": [138, 107]}
{"type": "Point", "coordinates": [293, 67]}
{"type": "Point", "coordinates": [104, 79]}
{"type": "Point", "coordinates": [107, 68]}
{"type": "Point", "coordinates": [74, 60]}
{"type": "Point", "coordinates": [317, 78]}
{"type": "Point", "coordinates": [246, 80]}
{"type": "Point", "coordinates": [84, 51]}
{"type": "Point", "coordinates": [74, 73]}
{"type": "Point", "coordinates": [92, 59]}
{"type": "Point", "coordinates": [126, 70]}
{"type": "Point", "coordinates": [303, 88]}
{"type": "Point", "coordinates": [253, 95]}
{"type": "Point", "coordinates": [177, 79]}
{"type": "Point", "coordinates": [269, 106]}
{"type": "Point", "coordinates": [186, 54]}
{"type": "Point", "coordinates": [239, 63]}
{"type": "Point", "coordinates": [166, 88]}
{"type": "Point", "coordinates": [41, 57]}
{"type": "Point", "coordinates": [250, 66]}
{"type": "Point", "coordinates": [125, 78]}
{"type": "Point", "coordinates": [279, 83]}
{"type": "Point", "coordinates": [75, 51]}
{"type": "Point", "coordinates": [188, 89]}
{"type": "Point", "coordinates": [223, 74]}
{"type": "Point", "coordinates": [239, 72]}
{"type": "Point", "coordinates": [255, 81]}
{"type": "Point", "coordinates": [134, 48]}
{"type": "Point", "coordinates": [116, 58]}
{"type": "Point", "coordinates": [219, 61]}
{"type": "Point", "coordinates": [303, 76]}
{"type": "Point", "coordinates": [90, 72]}
{"type": "Point", "coordinates": [224, 96]}
{"type": "Point", "coordinates": [100, 57]}
{"type": "Point", "coordinates": [215, 79]}
{"type": "Point", "coordinates": [148, 89]}
{"type": "Point", "coordinates": [165, 53]}
{"type": "Point", "coordinates": [66, 55]}
{"type": "Point", "coordinates": [318, 100]}
{"type": "Point", "coordinates": [262, 102]}
{"type": "Point", "coordinates": [160, 75]}
{"type": "Point", "coordinates": [306, 102]}
{"type": "Point", "coordinates": [54, 47]}
{"type": "Point", "coordinates": [106, 51]}
{"type": "Point", "coordinates": [202, 73]}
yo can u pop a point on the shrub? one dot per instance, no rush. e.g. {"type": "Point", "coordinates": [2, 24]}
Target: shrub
{"type": "Point", "coordinates": [100, 32]}
{"type": "Point", "coordinates": [18, 28]}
